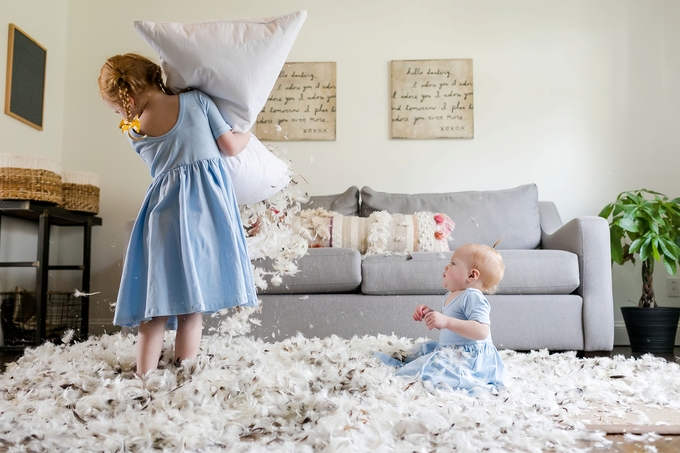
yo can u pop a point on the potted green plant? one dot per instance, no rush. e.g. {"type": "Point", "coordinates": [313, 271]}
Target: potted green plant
{"type": "Point", "coordinates": [646, 224]}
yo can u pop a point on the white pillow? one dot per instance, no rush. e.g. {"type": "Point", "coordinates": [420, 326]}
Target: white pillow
{"type": "Point", "coordinates": [236, 63]}
{"type": "Point", "coordinates": [256, 173]}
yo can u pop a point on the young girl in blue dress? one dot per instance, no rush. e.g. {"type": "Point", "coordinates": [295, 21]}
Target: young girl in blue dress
{"type": "Point", "coordinates": [464, 357]}
{"type": "Point", "coordinates": [187, 253]}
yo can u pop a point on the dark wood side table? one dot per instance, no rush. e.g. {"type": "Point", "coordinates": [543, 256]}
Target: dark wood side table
{"type": "Point", "coordinates": [47, 215]}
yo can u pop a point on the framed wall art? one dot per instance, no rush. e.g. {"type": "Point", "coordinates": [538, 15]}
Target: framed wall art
{"type": "Point", "coordinates": [302, 104]}
{"type": "Point", "coordinates": [25, 91]}
{"type": "Point", "coordinates": [432, 99]}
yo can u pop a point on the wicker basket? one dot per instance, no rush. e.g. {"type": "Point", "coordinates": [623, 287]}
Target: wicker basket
{"type": "Point", "coordinates": [80, 191]}
{"type": "Point", "coordinates": [26, 177]}
{"type": "Point", "coordinates": [18, 310]}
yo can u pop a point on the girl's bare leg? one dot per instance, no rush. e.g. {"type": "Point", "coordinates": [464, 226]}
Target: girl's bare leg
{"type": "Point", "coordinates": [188, 339]}
{"type": "Point", "coordinates": [150, 344]}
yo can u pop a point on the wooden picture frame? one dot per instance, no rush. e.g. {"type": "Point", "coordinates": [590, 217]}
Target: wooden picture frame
{"type": "Point", "coordinates": [25, 90]}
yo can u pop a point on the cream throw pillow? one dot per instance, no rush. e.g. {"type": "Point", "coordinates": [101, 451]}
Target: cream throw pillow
{"type": "Point", "coordinates": [236, 63]}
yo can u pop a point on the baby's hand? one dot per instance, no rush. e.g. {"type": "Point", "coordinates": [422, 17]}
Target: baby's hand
{"type": "Point", "coordinates": [421, 311]}
{"type": "Point", "coordinates": [435, 320]}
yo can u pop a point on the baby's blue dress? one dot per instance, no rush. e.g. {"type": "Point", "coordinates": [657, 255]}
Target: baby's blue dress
{"type": "Point", "coordinates": [455, 361]}
{"type": "Point", "coordinates": [187, 251]}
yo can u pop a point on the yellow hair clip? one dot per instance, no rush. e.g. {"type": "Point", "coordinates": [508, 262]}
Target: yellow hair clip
{"type": "Point", "coordinates": [127, 126]}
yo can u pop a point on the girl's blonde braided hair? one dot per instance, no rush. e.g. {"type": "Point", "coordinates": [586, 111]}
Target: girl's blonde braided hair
{"type": "Point", "coordinates": [128, 75]}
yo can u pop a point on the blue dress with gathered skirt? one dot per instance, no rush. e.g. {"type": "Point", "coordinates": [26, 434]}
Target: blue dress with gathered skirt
{"type": "Point", "coordinates": [455, 361]}
{"type": "Point", "coordinates": [187, 251]}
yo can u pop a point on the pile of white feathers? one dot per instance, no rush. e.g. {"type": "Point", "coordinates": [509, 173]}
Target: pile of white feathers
{"type": "Point", "coordinates": [274, 236]}
{"type": "Point", "coordinates": [309, 395]}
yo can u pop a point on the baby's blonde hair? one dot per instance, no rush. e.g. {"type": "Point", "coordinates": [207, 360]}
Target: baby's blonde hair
{"type": "Point", "coordinates": [126, 75]}
{"type": "Point", "coordinates": [488, 262]}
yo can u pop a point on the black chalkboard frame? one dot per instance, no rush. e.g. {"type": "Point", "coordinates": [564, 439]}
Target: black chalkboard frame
{"type": "Point", "coordinates": [25, 90]}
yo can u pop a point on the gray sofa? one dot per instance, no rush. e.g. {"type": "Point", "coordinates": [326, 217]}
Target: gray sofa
{"type": "Point", "coordinates": [556, 293]}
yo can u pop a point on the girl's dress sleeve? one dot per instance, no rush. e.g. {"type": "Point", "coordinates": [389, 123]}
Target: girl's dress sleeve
{"type": "Point", "coordinates": [217, 124]}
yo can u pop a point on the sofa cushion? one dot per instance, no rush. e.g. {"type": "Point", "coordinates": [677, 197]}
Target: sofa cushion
{"type": "Point", "coordinates": [324, 270]}
{"type": "Point", "coordinates": [480, 217]}
{"type": "Point", "coordinates": [526, 272]}
{"type": "Point", "coordinates": [539, 272]}
{"type": "Point", "coordinates": [346, 203]}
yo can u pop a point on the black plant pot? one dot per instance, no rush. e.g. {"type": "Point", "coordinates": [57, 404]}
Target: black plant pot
{"type": "Point", "coordinates": [651, 329]}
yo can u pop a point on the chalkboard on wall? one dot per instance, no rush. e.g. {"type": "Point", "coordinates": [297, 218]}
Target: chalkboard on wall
{"type": "Point", "coordinates": [25, 92]}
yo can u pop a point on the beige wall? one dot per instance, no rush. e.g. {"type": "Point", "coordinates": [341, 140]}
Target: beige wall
{"type": "Point", "coordinates": [579, 97]}
{"type": "Point", "coordinates": [45, 22]}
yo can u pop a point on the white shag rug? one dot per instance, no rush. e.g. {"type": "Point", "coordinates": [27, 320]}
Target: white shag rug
{"type": "Point", "coordinates": [311, 395]}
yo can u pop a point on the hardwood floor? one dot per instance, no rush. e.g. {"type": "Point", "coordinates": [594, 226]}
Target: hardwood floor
{"type": "Point", "coordinates": [665, 444]}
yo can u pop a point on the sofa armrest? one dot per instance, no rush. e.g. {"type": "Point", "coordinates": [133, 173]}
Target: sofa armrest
{"type": "Point", "coordinates": [588, 238]}
{"type": "Point", "coordinates": [549, 217]}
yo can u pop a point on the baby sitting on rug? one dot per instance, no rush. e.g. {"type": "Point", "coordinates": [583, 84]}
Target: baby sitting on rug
{"type": "Point", "coordinates": [464, 357]}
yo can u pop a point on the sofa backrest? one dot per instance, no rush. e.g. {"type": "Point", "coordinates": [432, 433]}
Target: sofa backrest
{"type": "Point", "coordinates": [346, 203]}
{"type": "Point", "coordinates": [481, 216]}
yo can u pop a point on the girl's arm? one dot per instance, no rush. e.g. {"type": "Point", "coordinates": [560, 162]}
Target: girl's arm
{"type": "Point", "coordinates": [474, 330]}
{"type": "Point", "coordinates": [231, 143]}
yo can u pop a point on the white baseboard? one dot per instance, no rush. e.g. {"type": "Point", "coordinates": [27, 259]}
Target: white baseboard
{"type": "Point", "coordinates": [620, 334]}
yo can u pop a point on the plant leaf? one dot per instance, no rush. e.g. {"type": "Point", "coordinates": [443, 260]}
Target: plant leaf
{"type": "Point", "coordinates": [627, 223]}
{"type": "Point", "coordinates": [635, 246]}
{"type": "Point", "coordinates": [616, 248]}
{"type": "Point", "coordinates": [606, 211]}
{"type": "Point", "coordinates": [644, 251]}
{"type": "Point", "coordinates": [655, 249]}
{"type": "Point", "coordinates": [669, 265]}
